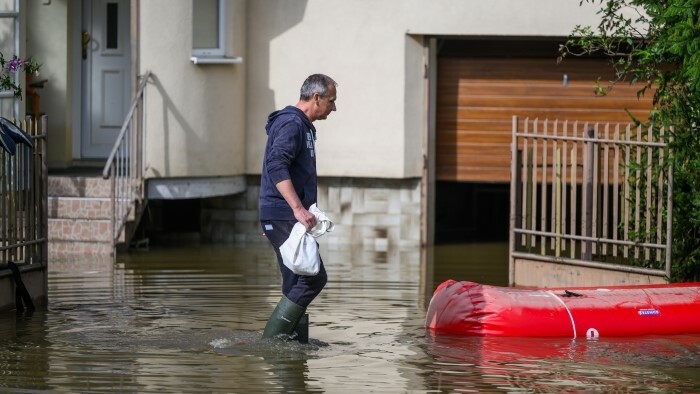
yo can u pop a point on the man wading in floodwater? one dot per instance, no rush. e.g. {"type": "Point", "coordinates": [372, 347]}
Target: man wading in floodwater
{"type": "Point", "coordinates": [287, 191]}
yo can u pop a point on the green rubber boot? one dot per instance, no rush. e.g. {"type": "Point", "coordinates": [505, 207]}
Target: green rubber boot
{"type": "Point", "coordinates": [302, 329]}
{"type": "Point", "coordinates": [283, 319]}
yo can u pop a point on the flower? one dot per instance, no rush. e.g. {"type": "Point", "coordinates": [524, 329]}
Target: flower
{"type": "Point", "coordinates": [11, 67]}
{"type": "Point", "coordinates": [15, 64]}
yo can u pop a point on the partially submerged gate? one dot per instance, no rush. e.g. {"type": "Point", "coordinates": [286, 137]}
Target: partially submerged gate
{"type": "Point", "coordinates": [23, 215]}
{"type": "Point", "coordinates": [590, 204]}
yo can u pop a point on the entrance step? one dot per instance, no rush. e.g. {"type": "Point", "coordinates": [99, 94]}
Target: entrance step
{"type": "Point", "coordinates": [78, 186]}
{"type": "Point", "coordinates": [79, 215]}
{"type": "Point", "coordinates": [80, 207]}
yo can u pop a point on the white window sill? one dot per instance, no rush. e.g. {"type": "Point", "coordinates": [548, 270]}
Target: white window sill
{"type": "Point", "coordinates": [216, 60]}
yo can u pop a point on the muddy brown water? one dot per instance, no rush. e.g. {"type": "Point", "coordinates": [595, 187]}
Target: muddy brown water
{"type": "Point", "coordinates": [189, 319]}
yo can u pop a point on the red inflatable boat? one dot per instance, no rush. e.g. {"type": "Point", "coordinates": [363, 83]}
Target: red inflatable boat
{"type": "Point", "coordinates": [468, 308]}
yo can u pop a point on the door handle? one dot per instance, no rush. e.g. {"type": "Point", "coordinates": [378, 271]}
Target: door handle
{"type": "Point", "coordinates": [86, 41]}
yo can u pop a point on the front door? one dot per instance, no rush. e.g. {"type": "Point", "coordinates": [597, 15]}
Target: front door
{"type": "Point", "coordinates": [106, 72]}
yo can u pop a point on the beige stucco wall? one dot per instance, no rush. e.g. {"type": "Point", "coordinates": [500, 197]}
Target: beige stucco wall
{"type": "Point", "coordinates": [374, 51]}
{"type": "Point", "coordinates": [196, 115]}
{"type": "Point", "coordinates": [47, 42]}
{"type": "Point", "coordinates": [208, 120]}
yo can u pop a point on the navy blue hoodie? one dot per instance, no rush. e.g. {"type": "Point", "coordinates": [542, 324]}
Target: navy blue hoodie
{"type": "Point", "coordinates": [289, 154]}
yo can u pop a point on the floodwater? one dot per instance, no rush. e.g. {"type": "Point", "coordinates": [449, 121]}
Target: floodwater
{"type": "Point", "coordinates": [189, 319]}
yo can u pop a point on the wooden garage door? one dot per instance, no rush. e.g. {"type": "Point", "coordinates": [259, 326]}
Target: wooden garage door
{"type": "Point", "coordinates": [477, 97]}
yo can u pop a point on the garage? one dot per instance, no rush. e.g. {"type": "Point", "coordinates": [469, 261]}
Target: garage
{"type": "Point", "coordinates": [481, 84]}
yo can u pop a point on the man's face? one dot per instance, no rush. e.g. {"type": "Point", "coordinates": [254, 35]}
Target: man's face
{"type": "Point", "coordinates": [325, 105]}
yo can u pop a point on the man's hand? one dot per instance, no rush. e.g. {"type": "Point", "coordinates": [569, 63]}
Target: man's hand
{"type": "Point", "coordinates": [301, 214]}
{"type": "Point", "coordinates": [305, 217]}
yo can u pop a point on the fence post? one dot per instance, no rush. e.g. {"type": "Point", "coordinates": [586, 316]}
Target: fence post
{"type": "Point", "coordinates": [514, 182]}
{"type": "Point", "coordinates": [669, 206]}
{"type": "Point", "coordinates": [588, 167]}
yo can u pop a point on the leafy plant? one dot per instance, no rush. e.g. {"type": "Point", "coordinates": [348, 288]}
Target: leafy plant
{"type": "Point", "coordinates": [8, 69]}
{"type": "Point", "coordinates": [657, 43]}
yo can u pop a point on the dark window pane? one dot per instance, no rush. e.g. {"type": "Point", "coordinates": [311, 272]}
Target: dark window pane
{"type": "Point", "coordinates": [112, 25]}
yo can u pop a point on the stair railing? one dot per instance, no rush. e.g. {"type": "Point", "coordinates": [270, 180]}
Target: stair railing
{"type": "Point", "coordinates": [125, 166]}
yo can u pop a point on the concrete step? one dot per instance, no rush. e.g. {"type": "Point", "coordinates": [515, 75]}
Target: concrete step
{"type": "Point", "coordinates": [64, 249]}
{"type": "Point", "coordinates": [79, 208]}
{"type": "Point", "coordinates": [78, 186]}
{"type": "Point", "coordinates": [95, 230]}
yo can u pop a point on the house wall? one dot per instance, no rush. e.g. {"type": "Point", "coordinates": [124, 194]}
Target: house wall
{"type": "Point", "coordinates": [47, 39]}
{"type": "Point", "coordinates": [374, 51]}
{"type": "Point", "coordinates": [380, 214]}
{"type": "Point", "coordinates": [208, 120]}
{"type": "Point", "coordinates": [196, 113]}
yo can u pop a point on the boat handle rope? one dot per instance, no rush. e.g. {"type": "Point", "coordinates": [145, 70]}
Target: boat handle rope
{"type": "Point", "coordinates": [571, 317]}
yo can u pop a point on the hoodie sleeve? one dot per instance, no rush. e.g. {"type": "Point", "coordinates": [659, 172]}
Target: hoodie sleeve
{"type": "Point", "coordinates": [284, 144]}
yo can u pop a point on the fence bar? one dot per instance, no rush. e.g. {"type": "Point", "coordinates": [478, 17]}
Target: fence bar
{"type": "Point", "coordinates": [557, 203]}
{"type": "Point", "coordinates": [649, 201]}
{"type": "Point", "coordinates": [659, 198]}
{"type": "Point", "coordinates": [525, 188]}
{"type": "Point", "coordinates": [588, 170]}
{"type": "Point", "coordinates": [669, 208]}
{"type": "Point", "coordinates": [514, 182]}
{"type": "Point", "coordinates": [565, 186]}
{"type": "Point", "coordinates": [601, 141]}
{"type": "Point", "coordinates": [543, 186]}
{"type": "Point", "coordinates": [555, 178]}
{"type": "Point", "coordinates": [626, 182]}
{"type": "Point", "coordinates": [574, 199]}
{"type": "Point", "coordinates": [606, 183]}
{"type": "Point", "coordinates": [533, 223]}
{"type": "Point", "coordinates": [595, 190]}
{"type": "Point", "coordinates": [637, 190]}
{"type": "Point", "coordinates": [591, 264]}
{"type": "Point", "coordinates": [616, 190]}
{"type": "Point", "coordinates": [589, 239]}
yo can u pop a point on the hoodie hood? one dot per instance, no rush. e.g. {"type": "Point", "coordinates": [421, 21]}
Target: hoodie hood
{"type": "Point", "coordinates": [288, 113]}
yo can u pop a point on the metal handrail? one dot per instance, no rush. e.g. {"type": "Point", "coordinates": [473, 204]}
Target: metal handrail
{"type": "Point", "coordinates": [124, 166]}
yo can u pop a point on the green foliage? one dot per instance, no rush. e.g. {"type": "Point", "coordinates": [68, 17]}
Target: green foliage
{"type": "Point", "coordinates": [8, 68]}
{"type": "Point", "coordinates": [656, 43]}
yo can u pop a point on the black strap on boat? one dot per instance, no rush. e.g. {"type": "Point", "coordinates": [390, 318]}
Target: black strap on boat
{"type": "Point", "coordinates": [568, 293]}
{"type": "Point", "coordinates": [22, 298]}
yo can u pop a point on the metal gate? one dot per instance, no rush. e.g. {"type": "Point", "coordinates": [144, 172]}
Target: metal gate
{"type": "Point", "coordinates": [590, 194]}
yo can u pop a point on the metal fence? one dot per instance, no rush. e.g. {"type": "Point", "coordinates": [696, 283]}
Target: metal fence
{"type": "Point", "coordinates": [23, 192]}
{"type": "Point", "coordinates": [592, 194]}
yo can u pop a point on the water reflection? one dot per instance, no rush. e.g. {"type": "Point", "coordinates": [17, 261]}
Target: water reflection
{"type": "Point", "coordinates": [189, 319]}
{"type": "Point", "coordinates": [485, 263]}
{"type": "Point", "coordinates": [556, 365]}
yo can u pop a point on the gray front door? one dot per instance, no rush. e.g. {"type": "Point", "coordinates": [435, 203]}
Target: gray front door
{"type": "Point", "coordinates": [106, 72]}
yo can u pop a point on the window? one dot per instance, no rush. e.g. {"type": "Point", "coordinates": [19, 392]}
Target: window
{"type": "Point", "coordinates": [208, 28]}
{"type": "Point", "coordinates": [9, 44]}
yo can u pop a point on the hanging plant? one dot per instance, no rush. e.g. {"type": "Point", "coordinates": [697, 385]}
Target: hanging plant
{"type": "Point", "coordinates": [11, 67]}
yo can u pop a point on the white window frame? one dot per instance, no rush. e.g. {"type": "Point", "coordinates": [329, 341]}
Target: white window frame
{"type": "Point", "coordinates": [215, 55]}
{"type": "Point", "coordinates": [6, 94]}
